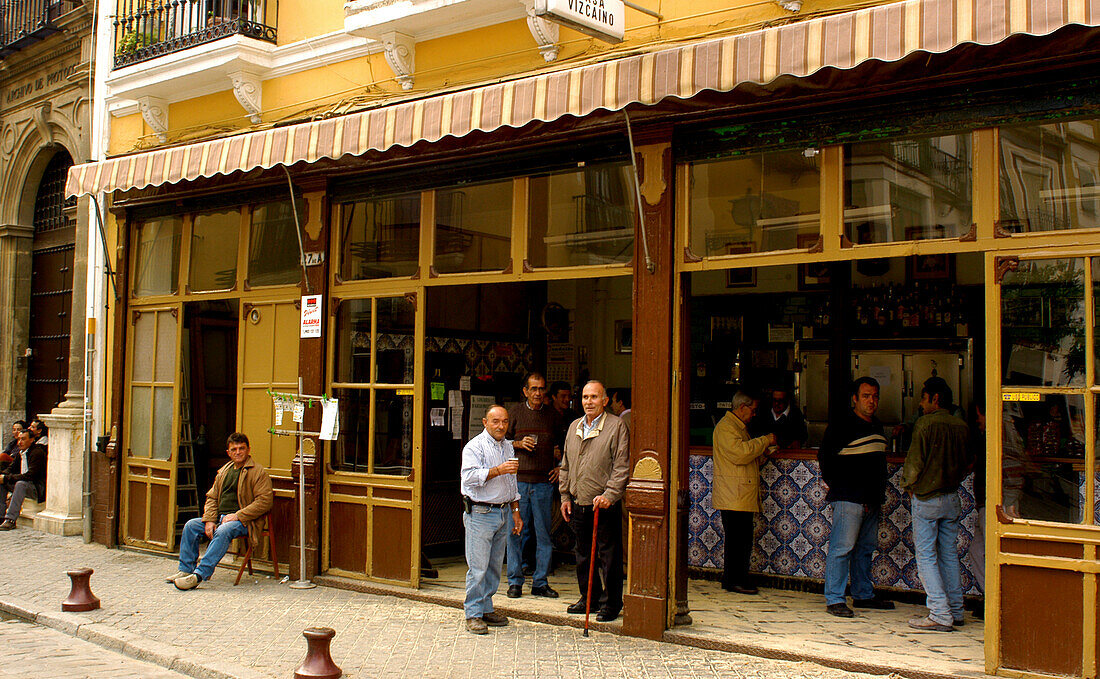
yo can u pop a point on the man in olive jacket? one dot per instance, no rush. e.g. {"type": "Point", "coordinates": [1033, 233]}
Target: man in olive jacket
{"type": "Point", "coordinates": [235, 507]}
{"type": "Point", "coordinates": [594, 472]}
{"type": "Point", "coordinates": [736, 492]}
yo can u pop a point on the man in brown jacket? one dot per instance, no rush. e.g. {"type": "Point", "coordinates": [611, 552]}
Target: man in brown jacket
{"type": "Point", "coordinates": [736, 492]}
{"type": "Point", "coordinates": [235, 507]}
{"type": "Point", "coordinates": [594, 473]}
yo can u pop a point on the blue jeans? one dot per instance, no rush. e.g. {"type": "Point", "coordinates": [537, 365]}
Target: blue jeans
{"type": "Point", "coordinates": [486, 532]}
{"type": "Point", "coordinates": [194, 531]}
{"type": "Point", "coordinates": [935, 541]}
{"type": "Point", "coordinates": [535, 501]}
{"type": "Point", "coordinates": [852, 541]}
{"type": "Point", "coordinates": [14, 503]}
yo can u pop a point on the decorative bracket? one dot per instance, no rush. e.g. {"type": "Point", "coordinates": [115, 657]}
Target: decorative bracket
{"type": "Point", "coordinates": [544, 32]}
{"type": "Point", "coordinates": [155, 112]}
{"type": "Point", "coordinates": [1002, 265]}
{"type": "Point", "coordinates": [248, 89]}
{"type": "Point", "coordinates": [41, 114]}
{"type": "Point", "coordinates": [400, 52]}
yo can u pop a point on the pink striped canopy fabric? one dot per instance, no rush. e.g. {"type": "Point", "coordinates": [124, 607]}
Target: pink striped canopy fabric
{"type": "Point", "coordinates": [887, 33]}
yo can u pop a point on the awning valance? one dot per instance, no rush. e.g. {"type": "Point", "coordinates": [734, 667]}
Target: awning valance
{"type": "Point", "coordinates": [885, 33]}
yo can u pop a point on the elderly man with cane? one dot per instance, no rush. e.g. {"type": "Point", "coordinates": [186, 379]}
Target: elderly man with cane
{"type": "Point", "coordinates": [593, 476]}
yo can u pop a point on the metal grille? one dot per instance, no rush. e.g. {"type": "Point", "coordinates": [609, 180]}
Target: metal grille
{"type": "Point", "coordinates": [50, 203]}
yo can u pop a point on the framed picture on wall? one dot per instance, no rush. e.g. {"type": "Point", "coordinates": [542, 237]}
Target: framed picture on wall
{"type": "Point", "coordinates": [740, 278]}
{"type": "Point", "coordinates": [624, 337]}
{"type": "Point", "coordinates": [812, 276]}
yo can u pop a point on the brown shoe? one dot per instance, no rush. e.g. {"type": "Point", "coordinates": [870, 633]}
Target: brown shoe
{"type": "Point", "coordinates": [928, 624]}
{"type": "Point", "coordinates": [8, 524]}
{"type": "Point", "coordinates": [495, 619]}
{"type": "Point", "coordinates": [476, 626]}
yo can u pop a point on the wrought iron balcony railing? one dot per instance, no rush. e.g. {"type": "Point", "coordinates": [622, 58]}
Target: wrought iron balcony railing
{"type": "Point", "coordinates": [25, 22]}
{"type": "Point", "coordinates": [146, 29]}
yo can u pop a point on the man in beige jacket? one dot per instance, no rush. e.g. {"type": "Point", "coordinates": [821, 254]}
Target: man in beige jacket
{"type": "Point", "coordinates": [736, 493]}
{"type": "Point", "coordinates": [235, 507]}
{"type": "Point", "coordinates": [594, 472]}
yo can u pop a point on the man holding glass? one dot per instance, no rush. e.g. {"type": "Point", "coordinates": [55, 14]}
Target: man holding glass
{"type": "Point", "coordinates": [535, 427]}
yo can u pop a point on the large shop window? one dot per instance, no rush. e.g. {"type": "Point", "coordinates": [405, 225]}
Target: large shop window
{"type": "Point", "coordinates": [214, 239]}
{"type": "Point", "coordinates": [907, 189]}
{"type": "Point", "coordinates": [273, 257]}
{"type": "Point", "coordinates": [374, 382]}
{"type": "Point", "coordinates": [1049, 176]}
{"type": "Point", "coordinates": [756, 203]}
{"type": "Point", "coordinates": [582, 217]}
{"type": "Point", "coordinates": [157, 256]}
{"type": "Point", "coordinates": [473, 228]}
{"type": "Point", "coordinates": [380, 238]}
{"type": "Point", "coordinates": [1044, 343]}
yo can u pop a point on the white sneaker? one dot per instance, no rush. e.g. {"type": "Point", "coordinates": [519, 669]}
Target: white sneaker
{"type": "Point", "coordinates": [189, 581]}
{"type": "Point", "coordinates": [178, 574]}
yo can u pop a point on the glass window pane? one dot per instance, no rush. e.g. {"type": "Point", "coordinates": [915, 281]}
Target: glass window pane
{"type": "Point", "coordinates": [273, 257]}
{"type": "Point", "coordinates": [473, 228]}
{"type": "Point", "coordinates": [396, 316]}
{"type": "Point", "coordinates": [380, 238]}
{"type": "Point", "coordinates": [157, 260]}
{"type": "Point", "coordinates": [350, 450]}
{"type": "Point", "coordinates": [1049, 176]}
{"type": "Point", "coordinates": [907, 189]}
{"type": "Point", "coordinates": [393, 418]}
{"type": "Point", "coordinates": [1043, 324]}
{"type": "Point", "coordinates": [353, 340]}
{"type": "Point", "coordinates": [162, 423]}
{"type": "Point", "coordinates": [166, 347]}
{"type": "Point", "coordinates": [140, 412]}
{"type": "Point", "coordinates": [214, 238]}
{"type": "Point", "coordinates": [142, 368]}
{"type": "Point", "coordinates": [1044, 458]}
{"type": "Point", "coordinates": [756, 203]}
{"type": "Point", "coordinates": [582, 217]}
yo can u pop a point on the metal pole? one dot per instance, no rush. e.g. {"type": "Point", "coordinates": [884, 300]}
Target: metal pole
{"type": "Point", "coordinates": [301, 582]}
{"type": "Point", "coordinates": [644, 10]}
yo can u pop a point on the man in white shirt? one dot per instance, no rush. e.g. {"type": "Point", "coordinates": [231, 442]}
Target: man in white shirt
{"type": "Point", "coordinates": [489, 494]}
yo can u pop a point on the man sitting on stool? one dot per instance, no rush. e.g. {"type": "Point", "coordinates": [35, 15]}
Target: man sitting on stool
{"type": "Point", "coordinates": [235, 507]}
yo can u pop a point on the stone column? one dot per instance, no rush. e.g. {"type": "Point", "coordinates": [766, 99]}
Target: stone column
{"type": "Point", "coordinates": [65, 464]}
{"type": "Point", "coordinates": [15, 298]}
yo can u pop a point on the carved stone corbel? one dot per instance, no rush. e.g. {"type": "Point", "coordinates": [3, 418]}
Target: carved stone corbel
{"type": "Point", "coordinates": [40, 115]}
{"type": "Point", "coordinates": [155, 112]}
{"type": "Point", "coordinates": [248, 89]}
{"type": "Point", "coordinates": [544, 32]}
{"type": "Point", "coordinates": [400, 52]}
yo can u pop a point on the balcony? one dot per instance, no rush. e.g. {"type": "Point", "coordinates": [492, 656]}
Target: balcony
{"type": "Point", "coordinates": [25, 22]}
{"type": "Point", "coordinates": [147, 29]}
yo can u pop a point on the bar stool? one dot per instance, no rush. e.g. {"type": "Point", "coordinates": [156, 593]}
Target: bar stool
{"type": "Point", "coordinates": [246, 557]}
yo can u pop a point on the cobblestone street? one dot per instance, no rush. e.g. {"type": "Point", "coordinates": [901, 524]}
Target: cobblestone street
{"type": "Point", "coordinates": [254, 630]}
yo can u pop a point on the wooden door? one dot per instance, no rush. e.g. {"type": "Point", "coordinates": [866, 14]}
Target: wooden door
{"type": "Point", "coordinates": [152, 428]}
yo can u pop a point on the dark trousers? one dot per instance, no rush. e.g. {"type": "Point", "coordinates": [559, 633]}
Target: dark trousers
{"type": "Point", "coordinates": [607, 587]}
{"type": "Point", "coordinates": [739, 543]}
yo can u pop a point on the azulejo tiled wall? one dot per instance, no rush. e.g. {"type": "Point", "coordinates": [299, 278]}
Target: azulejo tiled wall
{"type": "Point", "coordinates": [792, 533]}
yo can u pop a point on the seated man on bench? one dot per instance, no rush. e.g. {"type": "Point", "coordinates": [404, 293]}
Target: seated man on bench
{"type": "Point", "coordinates": [235, 507]}
{"type": "Point", "coordinates": [24, 477]}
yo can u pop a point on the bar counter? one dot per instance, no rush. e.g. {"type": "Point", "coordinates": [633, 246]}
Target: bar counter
{"type": "Point", "coordinates": [792, 532]}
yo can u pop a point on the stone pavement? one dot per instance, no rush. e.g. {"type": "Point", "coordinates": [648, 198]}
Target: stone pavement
{"type": "Point", "coordinates": [33, 650]}
{"type": "Point", "coordinates": [254, 630]}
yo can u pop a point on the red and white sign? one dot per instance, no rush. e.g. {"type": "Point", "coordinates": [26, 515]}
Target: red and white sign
{"type": "Point", "coordinates": [311, 316]}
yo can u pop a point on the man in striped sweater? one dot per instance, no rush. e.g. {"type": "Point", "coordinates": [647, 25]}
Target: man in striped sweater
{"type": "Point", "coordinates": [853, 465]}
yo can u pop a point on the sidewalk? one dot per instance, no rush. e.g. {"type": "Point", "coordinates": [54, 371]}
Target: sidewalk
{"type": "Point", "coordinates": [254, 630]}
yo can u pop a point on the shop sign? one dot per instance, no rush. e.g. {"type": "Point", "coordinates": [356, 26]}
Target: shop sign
{"type": "Point", "coordinates": [602, 19]}
{"type": "Point", "coordinates": [311, 316]}
{"type": "Point", "coordinates": [1031, 396]}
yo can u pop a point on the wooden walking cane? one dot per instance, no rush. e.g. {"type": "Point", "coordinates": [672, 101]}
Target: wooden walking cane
{"type": "Point", "coordinates": [591, 566]}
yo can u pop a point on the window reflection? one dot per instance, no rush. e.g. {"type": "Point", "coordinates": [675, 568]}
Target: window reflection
{"type": "Point", "coordinates": [1049, 176]}
{"type": "Point", "coordinates": [1044, 457]}
{"type": "Point", "coordinates": [380, 238]}
{"type": "Point", "coordinates": [393, 419]}
{"type": "Point", "coordinates": [273, 257]}
{"type": "Point", "coordinates": [353, 340]}
{"type": "Point", "coordinates": [1043, 324]}
{"type": "Point", "coordinates": [582, 217]}
{"type": "Point", "coordinates": [157, 261]}
{"type": "Point", "coordinates": [214, 238]}
{"type": "Point", "coordinates": [907, 189]}
{"type": "Point", "coordinates": [755, 203]}
{"type": "Point", "coordinates": [473, 228]}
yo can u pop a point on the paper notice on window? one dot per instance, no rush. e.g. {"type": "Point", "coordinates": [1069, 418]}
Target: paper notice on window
{"type": "Point", "coordinates": [478, 406]}
{"type": "Point", "coordinates": [456, 423]}
{"type": "Point", "coordinates": [299, 411]}
{"type": "Point", "coordinates": [330, 419]}
{"type": "Point", "coordinates": [881, 373]}
{"type": "Point", "coordinates": [437, 416]}
{"type": "Point", "coordinates": [278, 412]}
{"type": "Point", "coordinates": [464, 383]}
{"type": "Point", "coordinates": [454, 398]}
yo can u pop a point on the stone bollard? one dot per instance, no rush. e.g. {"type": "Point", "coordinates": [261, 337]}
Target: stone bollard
{"type": "Point", "coordinates": [80, 597]}
{"type": "Point", "coordinates": [318, 663]}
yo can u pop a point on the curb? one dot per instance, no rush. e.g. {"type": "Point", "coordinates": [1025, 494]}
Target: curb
{"type": "Point", "coordinates": [129, 644]}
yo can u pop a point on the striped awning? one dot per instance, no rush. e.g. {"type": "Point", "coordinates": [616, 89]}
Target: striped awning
{"type": "Point", "coordinates": [885, 33]}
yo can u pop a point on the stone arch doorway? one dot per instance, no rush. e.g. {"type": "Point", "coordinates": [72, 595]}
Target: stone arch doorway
{"type": "Point", "coordinates": [52, 254]}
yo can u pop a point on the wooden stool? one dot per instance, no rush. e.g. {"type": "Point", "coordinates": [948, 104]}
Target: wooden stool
{"type": "Point", "coordinates": [246, 557]}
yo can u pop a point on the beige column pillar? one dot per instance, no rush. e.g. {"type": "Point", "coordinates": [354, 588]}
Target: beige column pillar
{"type": "Point", "coordinates": [15, 298]}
